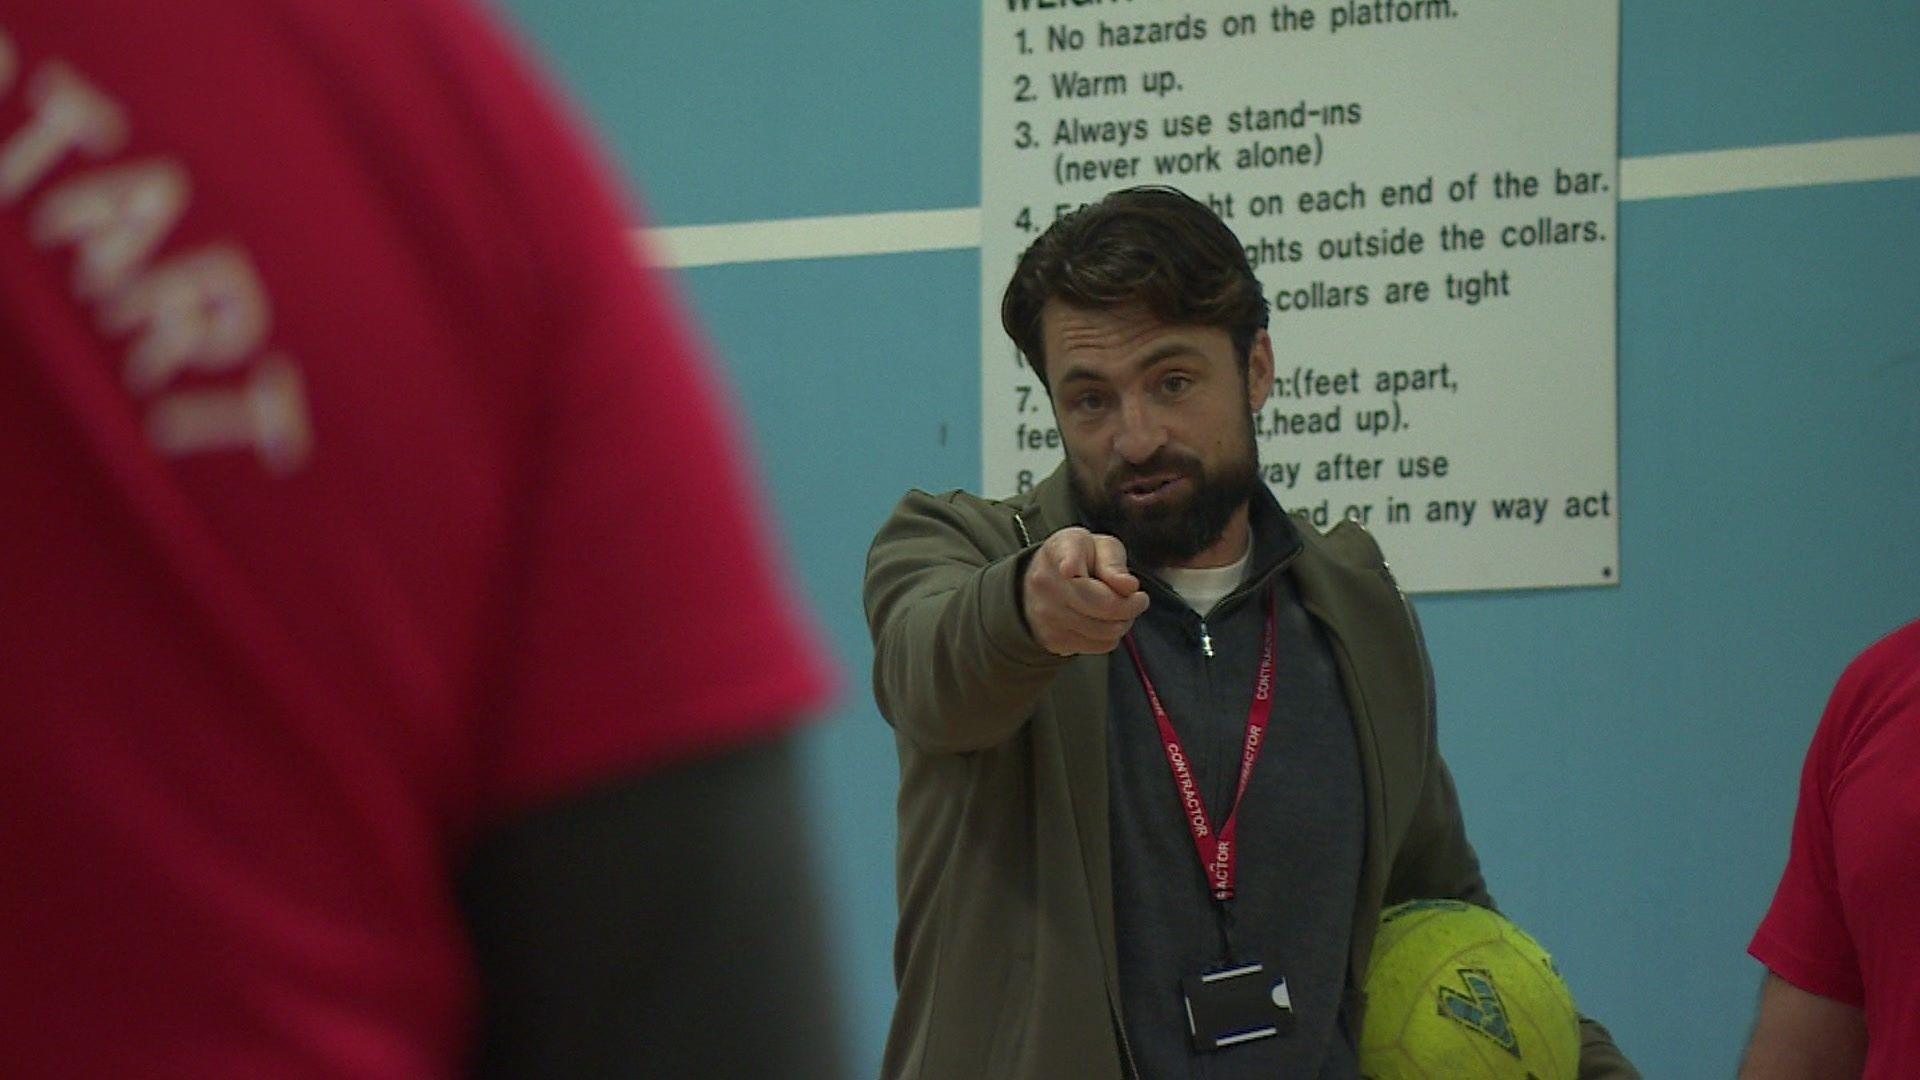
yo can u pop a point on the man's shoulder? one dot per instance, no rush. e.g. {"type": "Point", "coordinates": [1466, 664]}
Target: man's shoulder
{"type": "Point", "coordinates": [960, 503]}
{"type": "Point", "coordinates": [1347, 544]}
{"type": "Point", "coordinates": [941, 524]}
{"type": "Point", "coordinates": [959, 499]}
{"type": "Point", "coordinates": [1344, 578]}
{"type": "Point", "coordinates": [1011, 522]}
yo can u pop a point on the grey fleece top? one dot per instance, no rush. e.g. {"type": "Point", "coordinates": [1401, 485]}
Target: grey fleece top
{"type": "Point", "coordinates": [1301, 822]}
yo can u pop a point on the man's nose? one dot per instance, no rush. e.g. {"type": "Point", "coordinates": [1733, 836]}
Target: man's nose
{"type": "Point", "coordinates": [1140, 434]}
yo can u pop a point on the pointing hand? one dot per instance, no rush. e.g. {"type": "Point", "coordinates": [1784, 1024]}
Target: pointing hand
{"type": "Point", "coordinates": [1078, 595]}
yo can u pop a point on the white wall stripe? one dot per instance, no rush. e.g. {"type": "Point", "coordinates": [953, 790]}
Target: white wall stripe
{"type": "Point", "coordinates": [817, 237]}
{"type": "Point", "coordinates": [1660, 176]}
{"type": "Point", "coordinates": [1720, 172]}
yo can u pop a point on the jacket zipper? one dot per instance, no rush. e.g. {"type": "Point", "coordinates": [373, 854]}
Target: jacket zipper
{"type": "Point", "coordinates": [1247, 587]}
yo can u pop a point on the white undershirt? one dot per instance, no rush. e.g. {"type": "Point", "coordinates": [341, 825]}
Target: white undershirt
{"type": "Point", "coordinates": [1203, 587]}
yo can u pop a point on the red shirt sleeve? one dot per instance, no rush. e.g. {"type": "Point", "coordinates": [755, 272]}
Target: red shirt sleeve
{"type": "Point", "coordinates": [1804, 937]}
{"type": "Point", "coordinates": [653, 619]}
{"type": "Point", "coordinates": [653, 623]}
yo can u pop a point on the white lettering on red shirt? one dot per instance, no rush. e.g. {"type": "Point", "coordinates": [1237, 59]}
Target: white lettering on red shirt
{"type": "Point", "coordinates": [268, 415]}
{"type": "Point", "coordinates": [204, 310]}
{"type": "Point", "coordinates": [69, 113]}
{"type": "Point", "coordinates": [115, 218]}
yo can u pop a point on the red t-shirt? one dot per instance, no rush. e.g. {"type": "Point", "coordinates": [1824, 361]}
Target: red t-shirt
{"type": "Point", "coordinates": [1843, 924]}
{"type": "Point", "coordinates": [357, 490]}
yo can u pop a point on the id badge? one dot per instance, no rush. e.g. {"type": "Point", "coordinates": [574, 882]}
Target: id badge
{"type": "Point", "coordinates": [1238, 1005]}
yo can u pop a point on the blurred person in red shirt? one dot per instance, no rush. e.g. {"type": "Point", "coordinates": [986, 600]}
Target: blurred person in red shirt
{"type": "Point", "coordinates": [396, 679]}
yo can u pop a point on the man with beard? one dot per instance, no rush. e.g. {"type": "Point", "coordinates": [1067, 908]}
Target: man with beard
{"type": "Point", "coordinates": [1165, 752]}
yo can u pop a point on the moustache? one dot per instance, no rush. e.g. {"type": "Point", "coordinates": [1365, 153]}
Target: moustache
{"type": "Point", "coordinates": [1164, 464]}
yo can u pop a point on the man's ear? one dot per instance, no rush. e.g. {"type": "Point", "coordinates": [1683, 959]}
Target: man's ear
{"type": "Point", "coordinates": [1259, 371]}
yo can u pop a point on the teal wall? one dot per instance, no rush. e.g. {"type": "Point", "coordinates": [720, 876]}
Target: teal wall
{"type": "Point", "coordinates": [1627, 757]}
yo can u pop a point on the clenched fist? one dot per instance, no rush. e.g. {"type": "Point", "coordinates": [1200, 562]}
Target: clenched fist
{"type": "Point", "coordinates": [1078, 595]}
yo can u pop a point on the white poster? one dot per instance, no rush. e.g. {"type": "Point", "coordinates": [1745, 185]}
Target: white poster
{"type": "Point", "coordinates": [1427, 190]}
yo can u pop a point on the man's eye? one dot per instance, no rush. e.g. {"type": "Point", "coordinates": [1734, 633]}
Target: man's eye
{"type": "Point", "coordinates": [1176, 384]}
{"type": "Point", "coordinates": [1089, 402]}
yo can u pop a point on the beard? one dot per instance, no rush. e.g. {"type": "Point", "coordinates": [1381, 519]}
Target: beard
{"type": "Point", "coordinates": [1179, 530]}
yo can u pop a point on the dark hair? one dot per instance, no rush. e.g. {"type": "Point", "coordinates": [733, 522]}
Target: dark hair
{"type": "Point", "coordinates": [1151, 247]}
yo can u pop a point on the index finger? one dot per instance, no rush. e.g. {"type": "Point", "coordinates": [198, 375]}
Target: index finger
{"type": "Point", "coordinates": [1110, 565]}
{"type": "Point", "coordinates": [1074, 552]}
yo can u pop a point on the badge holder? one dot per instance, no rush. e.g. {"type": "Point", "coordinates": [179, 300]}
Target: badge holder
{"type": "Point", "coordinates": [1238, 1005]}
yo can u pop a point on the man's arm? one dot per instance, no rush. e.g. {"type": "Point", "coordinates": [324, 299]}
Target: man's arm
{"type": "Point", "coordinates": [966, 640]}
{"type": "Point", "coordinates": [660, 926]}
{"type": "Point", "coordinates": [1803, 1036]}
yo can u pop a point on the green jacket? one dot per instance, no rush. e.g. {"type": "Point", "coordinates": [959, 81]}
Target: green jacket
{"type": "Point", "coordinates": [1005, 955]}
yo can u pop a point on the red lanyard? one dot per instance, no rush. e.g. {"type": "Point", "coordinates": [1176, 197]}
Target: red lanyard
{"type": "Point", "coordinates": [1215, 847]}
